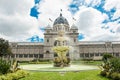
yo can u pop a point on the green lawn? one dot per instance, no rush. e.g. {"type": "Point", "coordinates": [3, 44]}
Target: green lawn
{"type": "Point", "coordinates": [83, 75]}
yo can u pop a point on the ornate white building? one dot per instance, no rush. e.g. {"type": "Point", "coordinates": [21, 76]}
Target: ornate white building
{"type": "Point", "coordinates": [25, 51]}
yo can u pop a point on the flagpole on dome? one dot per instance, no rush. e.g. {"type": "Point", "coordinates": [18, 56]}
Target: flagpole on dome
{"type": "Point", "coordinates": [60, 12]}
{"type": "Point", "coordinates": [74, 20]}
{"type": "Point", "coordinates": [50, 21]}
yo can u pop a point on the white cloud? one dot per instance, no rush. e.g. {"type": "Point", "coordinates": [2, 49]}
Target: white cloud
{"type": "Point", "coordinates": [89, 19]}
{"type": "Point", "coordinates": [15, 22]}
{"type": "Point", "coordinates": [51, 9]}
{"type": "Point", "coordinates": [112, 4]}
{"type": "Point", "coordinates": [90, 23]}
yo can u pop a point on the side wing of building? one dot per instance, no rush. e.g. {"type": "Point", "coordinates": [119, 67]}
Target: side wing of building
{"type": "Point", "coordinates": [95, 49]}
{"type": "Point", "coordinates": [26, 51]}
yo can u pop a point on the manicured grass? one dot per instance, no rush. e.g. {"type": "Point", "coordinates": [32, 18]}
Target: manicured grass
{"type": "Point", "coordinates": [83, 75]}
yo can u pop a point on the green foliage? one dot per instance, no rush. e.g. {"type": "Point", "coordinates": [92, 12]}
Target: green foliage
{"type": "Point", "coordinates": [8, 66]}
{"type": "Point", "coordinates": [14, 76]}
{"type": "Point", "coordinates": [103, 73]}
{"type": "Point", "coordinates": [3, 77]}
{"type": "Point", "coordinates": [14, 65]}
{"type": "Point", "coordinates": [4, 66]}
{"type": "Point", "coordinates": [111, 68]}
{"type": "Point", "coordinates": [4, 47]}
{"type": "Point", "coordinates": [115, 62]}
{"type": "Point", "coordinates": [115, 76]}
{"type": "Point", "coordinates": [106, 56]}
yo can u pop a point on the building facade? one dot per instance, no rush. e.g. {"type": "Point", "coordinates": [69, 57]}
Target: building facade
{"type": "Point", "coordinates": [26, 51]}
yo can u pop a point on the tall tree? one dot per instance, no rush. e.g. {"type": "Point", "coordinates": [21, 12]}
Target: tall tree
{"type": "Point", "coordinates": [4, 47]}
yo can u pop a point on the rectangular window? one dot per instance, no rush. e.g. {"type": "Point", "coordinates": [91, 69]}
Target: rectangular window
{"type": "Point", "coordinates": [40, 55]}
{"type": "Point", "coordinates": [101, 54]}
{"type": "Point", "coordinates": [86, 55]}
{"type": "Point", "coordinates": [74, 40]}
{"type": "Point", "coordinates": [91, 55]}
{"type": "Point", "coordinates": [36, 55]}
{"type": "Point", "coordinates": [47, 40]}
{"type": "Point", "coordinates": [25, 55]}
{"type": "Point", "coordinates": [13, 55]}
{"type": "Point", "coordinates": [82, 55]}
{"type": "Point", "coordinates": [96, 54]}
{"type": "Point", "coordinates": [117, 54]}
{"type": "Point", "coordinates": [30, 55]}
{"type": "Point", "coordinates": [17, 55]}
{"type": "Point", "coordinates": [20, 55]}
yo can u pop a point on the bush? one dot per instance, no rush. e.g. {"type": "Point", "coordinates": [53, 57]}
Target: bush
{"type": "Point", "coordinates": [3, 77]}
{"type": "Point", "coordinates": [14, 66]}
{"type": "Point", "coordinates": [4, 66]}
{"type": "Point", "coordinates": [103, 73]}
{"type": "Point", "coordinates": [115, 76]}
{"type": "Point", "coordinates": [14, 76]}
{"type": "Point", "coordinates": [111, 68]}
{"type": "Point", "coordinates": [106, 57]}
{"type": "Point", "coordinates": [115, 63]}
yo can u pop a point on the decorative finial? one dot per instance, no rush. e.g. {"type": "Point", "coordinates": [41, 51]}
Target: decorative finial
{"type": "Point", "coordinates": [74, 20]}
{"type": "Point", "coordinates": [60, 12]}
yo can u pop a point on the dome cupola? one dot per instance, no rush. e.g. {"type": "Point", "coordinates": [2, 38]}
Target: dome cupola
{"type": "Point", "coordinates": [74, 26]}
{"type": "Point", "coordinates": [61, 20]}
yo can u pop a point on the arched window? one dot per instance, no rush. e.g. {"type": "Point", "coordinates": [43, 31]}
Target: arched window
{"type": "Point", "coordinates": [47, 52]}
{"type": "Point", "coordinates": [47, 40]}
{"type": "Point", "coordinates": [74, 40]}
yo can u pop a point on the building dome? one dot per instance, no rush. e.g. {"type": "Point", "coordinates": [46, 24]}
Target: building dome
{"type": "Point", "coordinates": [61, 20]}
{"type": "Point", "coordinates": [74, 26]}
{"type": "Point", "coordinates": [48, 27]}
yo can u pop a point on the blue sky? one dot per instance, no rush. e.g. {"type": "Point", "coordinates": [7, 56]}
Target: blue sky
{"type": "Point", "coordinates": [97, 20]}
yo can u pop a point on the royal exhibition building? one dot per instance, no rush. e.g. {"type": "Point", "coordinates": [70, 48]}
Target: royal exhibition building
{"type": "Point", "coordinates": [26, 51]}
